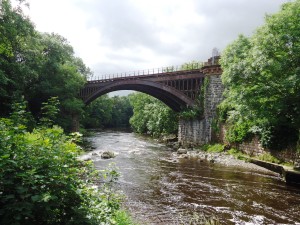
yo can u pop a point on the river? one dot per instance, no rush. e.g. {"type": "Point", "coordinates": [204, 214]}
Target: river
{"type": "Point", "coordinates": [163, 190]}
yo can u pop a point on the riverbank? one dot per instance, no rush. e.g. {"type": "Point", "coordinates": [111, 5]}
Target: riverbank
{"type": "Point", "coordinates": [284, 173]}
{"type": "Point", "coordinates": [218, 154]}
{"type": "Point", "coordinates": [223, 159]}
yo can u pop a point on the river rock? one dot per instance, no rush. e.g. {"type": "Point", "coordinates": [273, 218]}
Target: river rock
{"type": "Point", "coordinates": [181, 151]}
{"type": "Point", "coordinates": [107, 155]}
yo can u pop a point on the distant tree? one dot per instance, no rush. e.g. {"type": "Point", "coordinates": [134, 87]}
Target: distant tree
{"type": "Point", "coordinates": [261, 75]}
{"type": "Point", "coordinates": [152, 116]}
{"type": "Point", "coordinates": [98, 114]}
{"type": "Point", "coordinates": [121, 111]}
{"type": "Point", "coordinates": [108, 112]}
{"type": "Point", "coordinates": [191, 65]}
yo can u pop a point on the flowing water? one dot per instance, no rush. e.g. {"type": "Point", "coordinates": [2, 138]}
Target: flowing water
{"type": "Point", "coordinates": [161, 190]}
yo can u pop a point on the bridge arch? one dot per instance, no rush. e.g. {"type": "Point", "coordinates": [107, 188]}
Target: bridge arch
{"type": "Point", "coordinates": [169, 95]}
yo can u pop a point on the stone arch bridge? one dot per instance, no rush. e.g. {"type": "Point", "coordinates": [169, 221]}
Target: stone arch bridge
{"type": "Point", "coordinates": [176, 87]}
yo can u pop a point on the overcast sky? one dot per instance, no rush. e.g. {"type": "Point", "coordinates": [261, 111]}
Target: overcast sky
{"type": "Point", "coordinates": [123, 35]}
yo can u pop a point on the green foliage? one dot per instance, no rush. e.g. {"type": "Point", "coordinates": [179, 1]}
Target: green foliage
{"type": "Point", "coordinates": [234, 151]}
{"type": "Point", "coordinates": [98, 113]}
{"type": "Point", "coordinates": [122, 111]}
{"type": "Point", "coordinates": [122, 218]}
{"type": "Point", "coordinates": [203, 92]}
{"type": "Point", "coordinates": [15, 30]}
{"type": "Point", "coordinates": [237, 154]}
{"type": "Point", "coordinates": [152, 116]}
{"type": "Point", "coordinates": [262, 81]}
{"type": "Point", "coordinates": [37, 66]}
{"type": "Point", "coordinates": [61, 74]}
{"type": "Point", "coordinates": [192, 65]}
{"type": "Point", "coordinates": [43, 182]}
{"type": "Point", "coordinates": [213, 148]}
{"type": "Point", "coordinates": [106, 112]}
{"type": "Point", "coordinates": [197, 110]}
{"type": "Point", "coordinates": [191, 113]}
{"type": "Point", "coordinates": [20, 115]}
{"type": "Point", "coordinates": [239, 132]}
{"type": "Point", "coordinates": [49, 111]}
{"type": "Point", "coordinates": [268, 158]}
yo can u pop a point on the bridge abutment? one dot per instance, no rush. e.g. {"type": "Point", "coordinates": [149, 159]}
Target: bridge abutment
{"type": "Point", "coordinates": [199, 131]}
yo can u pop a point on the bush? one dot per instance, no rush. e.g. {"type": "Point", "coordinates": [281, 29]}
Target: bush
{"type": "Point", "coordinates": [239, 132]}
{"type": "Point", "coordinates": [42, 182]}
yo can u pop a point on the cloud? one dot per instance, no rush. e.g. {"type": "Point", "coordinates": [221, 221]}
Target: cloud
{"type": "Point", "coordinates": [123, 35]}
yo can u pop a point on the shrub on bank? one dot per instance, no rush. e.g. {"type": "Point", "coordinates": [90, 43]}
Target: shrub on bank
{"type": "Point", "coordinates": [42, 182]}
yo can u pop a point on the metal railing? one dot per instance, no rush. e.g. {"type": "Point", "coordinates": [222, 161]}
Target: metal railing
{"type": "Point", "coordinates": [148, 72]}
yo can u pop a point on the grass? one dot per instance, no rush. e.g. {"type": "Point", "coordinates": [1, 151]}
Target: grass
{"type": "Point", "coordinates": [238, 154]}
{"type": "Point", "coordinates": [213, 148]}
{"type": "Point", "coordinates": [268, 158]}
{"type": "Point", "coordinates": [122, 217]}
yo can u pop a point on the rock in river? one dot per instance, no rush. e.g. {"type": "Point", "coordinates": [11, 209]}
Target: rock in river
{"type": "Point", "coordinates": [107, 155]}
{"type": "Point", "coordinates": [181, 151]}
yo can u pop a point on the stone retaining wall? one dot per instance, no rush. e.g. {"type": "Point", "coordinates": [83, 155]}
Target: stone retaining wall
{"type": "Point", "coordinates": [192, 132]}
{"type": "Point", "coordinates": [252, 147]}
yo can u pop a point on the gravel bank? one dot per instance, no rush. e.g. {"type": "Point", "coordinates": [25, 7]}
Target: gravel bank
{"type": "Point", "coordinates": [224, 159]}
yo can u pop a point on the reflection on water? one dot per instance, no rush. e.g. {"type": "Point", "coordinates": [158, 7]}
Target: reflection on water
{"type": "Point", "coordinates": [161, 190]}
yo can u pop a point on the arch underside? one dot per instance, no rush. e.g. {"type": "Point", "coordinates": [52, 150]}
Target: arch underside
{"type": "Point", "coordinates": [173, 98]}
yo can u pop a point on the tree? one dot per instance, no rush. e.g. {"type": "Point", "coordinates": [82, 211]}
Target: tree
{"type": "Point", "coordinates": [261, 75]}
{"type": "Point", "coordinates": [108, 112]}
{"type": "Point", "coordinates": [152, 116]}
{"type": "Point", "coordinates": [61, 74]}
{"type": "Point", "coordinates": [15, 73]}
{"type": "Point", "coordinates": [121, 111]}
{"type": "Point", "coordinates": [98, 114]}
{"type": "Point", "coordinates": [37, 66]}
